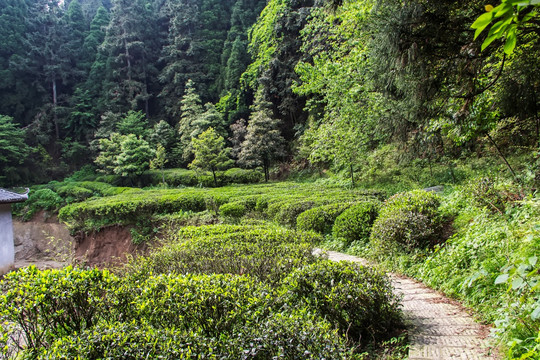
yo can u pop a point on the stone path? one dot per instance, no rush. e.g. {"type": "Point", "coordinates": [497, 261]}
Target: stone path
{"type": "Point", "coordinates": [439, 328]}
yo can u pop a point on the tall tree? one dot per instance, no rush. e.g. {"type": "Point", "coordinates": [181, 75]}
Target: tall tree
{"type": "Point", "coordinates": [264, 142]}
{"type": "Point", "coordinates": [191, 111]}
{"type": "Point", "coordinates": [210, 153]}
{"type": "Point", "coordinates": [131, 50]}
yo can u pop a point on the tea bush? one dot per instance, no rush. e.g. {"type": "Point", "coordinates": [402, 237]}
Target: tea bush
{"type": "Point", "coordinates": [355, 223]}
{"type": "Point", "coordinates": [292, 335]}
{"type": "Point", "coordinates": [264, 252]}
{"type": "Point", "coordinates": [407, 221]}
{"type": "Point", "coordinates": [42, 199]}
{"type": "Point", "coordinates": [235, 209]}
{"type": "Point", "coordinates": [357, 299]}
{"type": "Point", "coordinates": [92, 314]}
{"type": "Point", "coordinates": [321, 218]}
{"type": "Point", "coordinates": [50, 304]}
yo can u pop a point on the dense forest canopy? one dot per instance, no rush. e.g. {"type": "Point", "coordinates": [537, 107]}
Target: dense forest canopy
{"type": "Point", "coordinates": [326, 82]}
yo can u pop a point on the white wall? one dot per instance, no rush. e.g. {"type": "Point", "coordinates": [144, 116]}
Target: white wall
{"type": "Point", "coordinates": [7, 249]}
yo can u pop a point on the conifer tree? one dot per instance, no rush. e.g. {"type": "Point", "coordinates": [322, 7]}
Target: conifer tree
{"type": "Point", "coordinates": [191, 110]}
{"type": "Point", "coordinates": [134, 157]}
{"type": "Point", "coordinates": [264, 142]}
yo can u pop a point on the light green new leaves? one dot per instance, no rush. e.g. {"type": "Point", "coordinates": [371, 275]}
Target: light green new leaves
{"type": "Point", "coordinates": [507, 21]}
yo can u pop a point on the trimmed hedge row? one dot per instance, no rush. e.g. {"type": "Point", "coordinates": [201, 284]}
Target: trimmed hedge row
{"type": "Point", "coordinates": [321, 218]}
{"type": "Point", "coordinates": [407, 221]}
{"type": "Point", "coordinates": [355, 223]}
{"type": "Point", "coordinates": [266, 253]}
{"type": "Point", "coordinates": [280, 202]}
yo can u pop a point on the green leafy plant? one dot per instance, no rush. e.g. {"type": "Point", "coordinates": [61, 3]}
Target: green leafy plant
{"type": "Point", "coordinates": [408, 221]}
{"type": "Point", "coordinates": [355, 223]}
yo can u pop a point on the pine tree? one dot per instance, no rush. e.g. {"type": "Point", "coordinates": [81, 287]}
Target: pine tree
{"type": "Point", "coordinates": [210, 118]}
{"type": "Point", "coordinates": [263, 143]}
{"type": "Point", "coordinates": [134, 157]}
{"type": "Point", "coordinates": [131, 50]}
{"type": "Point", "coordinates": [210, 153]}
{"type": "Point", "coordinates": [191, 110]}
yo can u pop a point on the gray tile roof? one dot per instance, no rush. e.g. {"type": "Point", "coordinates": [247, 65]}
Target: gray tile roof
{"type": "Point", "coordinates": [7, 197]}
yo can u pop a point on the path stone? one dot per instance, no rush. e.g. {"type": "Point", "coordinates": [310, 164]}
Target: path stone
{"type": "Point", "coordinates": [439, 329]}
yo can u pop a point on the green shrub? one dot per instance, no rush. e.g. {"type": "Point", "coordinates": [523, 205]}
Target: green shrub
{"type": "Point", "coordinates": [50, 304]}
{"type": "Point", "coordinates": [267, 253]}
{"type": "Point", "coordinates": [407, 221]}
{"type": "Point", "coordinates": [42, 199]}
{"type": "Point", "coordinates": [321, 218]}
{"type": "Point", "coordinates": [234, 209]}
{"type": "Point", "coordinates": [289, 211]}
{"type": "Point", "coordinates": [355, 223]}
{"type": "Point", "coordinates": [290, 335]}
{"type": "Point", "coordinates": [76, 193]}
{"type": "Point", "coordinates": [242, 176]}
{"type": "Point", "coordinates": [357, 299]}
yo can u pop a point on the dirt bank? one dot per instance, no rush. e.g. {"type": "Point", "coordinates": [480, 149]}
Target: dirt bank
{"type": "Point", "coordinates": [45, 242]}
{"type": "Point", "coordinates": [109, 246]}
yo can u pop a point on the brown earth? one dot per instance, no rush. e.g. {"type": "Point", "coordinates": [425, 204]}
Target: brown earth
{"type": "Point", "coordinates": [109, 246]}
{"type": "Point", "coordinates": [46, 243]}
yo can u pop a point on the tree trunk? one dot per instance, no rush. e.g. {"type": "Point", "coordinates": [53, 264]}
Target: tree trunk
{"type": "Point", "coordinates": [215, 178]}
{"type": "Point", "coordinates": [266, 171]}
{"type": "Point", "coordinates": [55, 117]}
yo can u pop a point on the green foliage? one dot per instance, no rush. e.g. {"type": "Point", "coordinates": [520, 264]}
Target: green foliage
{"type": "Point", "coordinates": [134, 157]}
{"type": "Point", "coordinates": [13, 149]}
{"type": "Point", "coordinates": [508, 23]}
{"type": "Point", "coordinates": [357, 299]}
{"type": "Point", "coordinates": [54, 303]}
{"type": "Point", "coordinates": [235, 209]}
{"type": "Point", "coordinates": [42, 199]}
{"type": "Point", "coordinates": [408, 221]}
{"type": "Point", "coordinates": [210, 153]}
{"type": "Point", "coordinates": [133, 123]}
{"type": "Point", "coordinates": [263, 143]}
{"type": "Point", "coordinates": [321, 218]}
{"type": "Point", "coordinates": [266, 253]}
{"type": "Point", "coordinates": [355, 223]}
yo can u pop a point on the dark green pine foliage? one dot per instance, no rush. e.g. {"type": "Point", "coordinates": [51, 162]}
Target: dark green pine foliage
{"type": "Point", "coordinates": [191, 109]}
{"type": "Point", "coordinates": [426, 79]}
{"type": "Point", "coordinates": [130, 48]}
{"type": "Point", "coordinates": [49, 58]}
{"type": "Point", "coordinates": [13, 149]}
{"type": "Point", "coordinates": [19, 97]}
{"type": "Point", "coordinates": [196, 34]}
{"type": "Point", "coordinates": [236, 99]}
{"type": "Point", "coordinates": [235, 58]}
{"type": "Point", "coordinates": [263, 143]}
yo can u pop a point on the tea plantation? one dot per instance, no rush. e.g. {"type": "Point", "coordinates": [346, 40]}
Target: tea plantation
{"type": "Point", "coordinates": [234, 275]}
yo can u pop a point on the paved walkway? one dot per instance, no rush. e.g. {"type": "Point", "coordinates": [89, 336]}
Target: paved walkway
{"type": "Point", "coordinates": [439, 328]}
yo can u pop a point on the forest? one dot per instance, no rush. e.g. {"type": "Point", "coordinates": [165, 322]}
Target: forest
{"type": "Point", "coordinates": [329, 84]}
{"type": "Point", "coordinates": [231, 140]}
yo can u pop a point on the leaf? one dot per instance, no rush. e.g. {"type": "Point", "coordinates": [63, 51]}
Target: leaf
{"type": "Point", "coordinates": [533, 260]}
{"type": "Point", "coordinates": [501, 279]}
{"type": "Point", "coordinates": [511, 40]}
{"type": "Point", "coordinates": [482, 21]}
{"type": "Point", "coordinates": [535, 315]}
{"type": "Point", "coordinates": [530, 2]}
{"type": "Point", "coordinates": [517, 283]}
